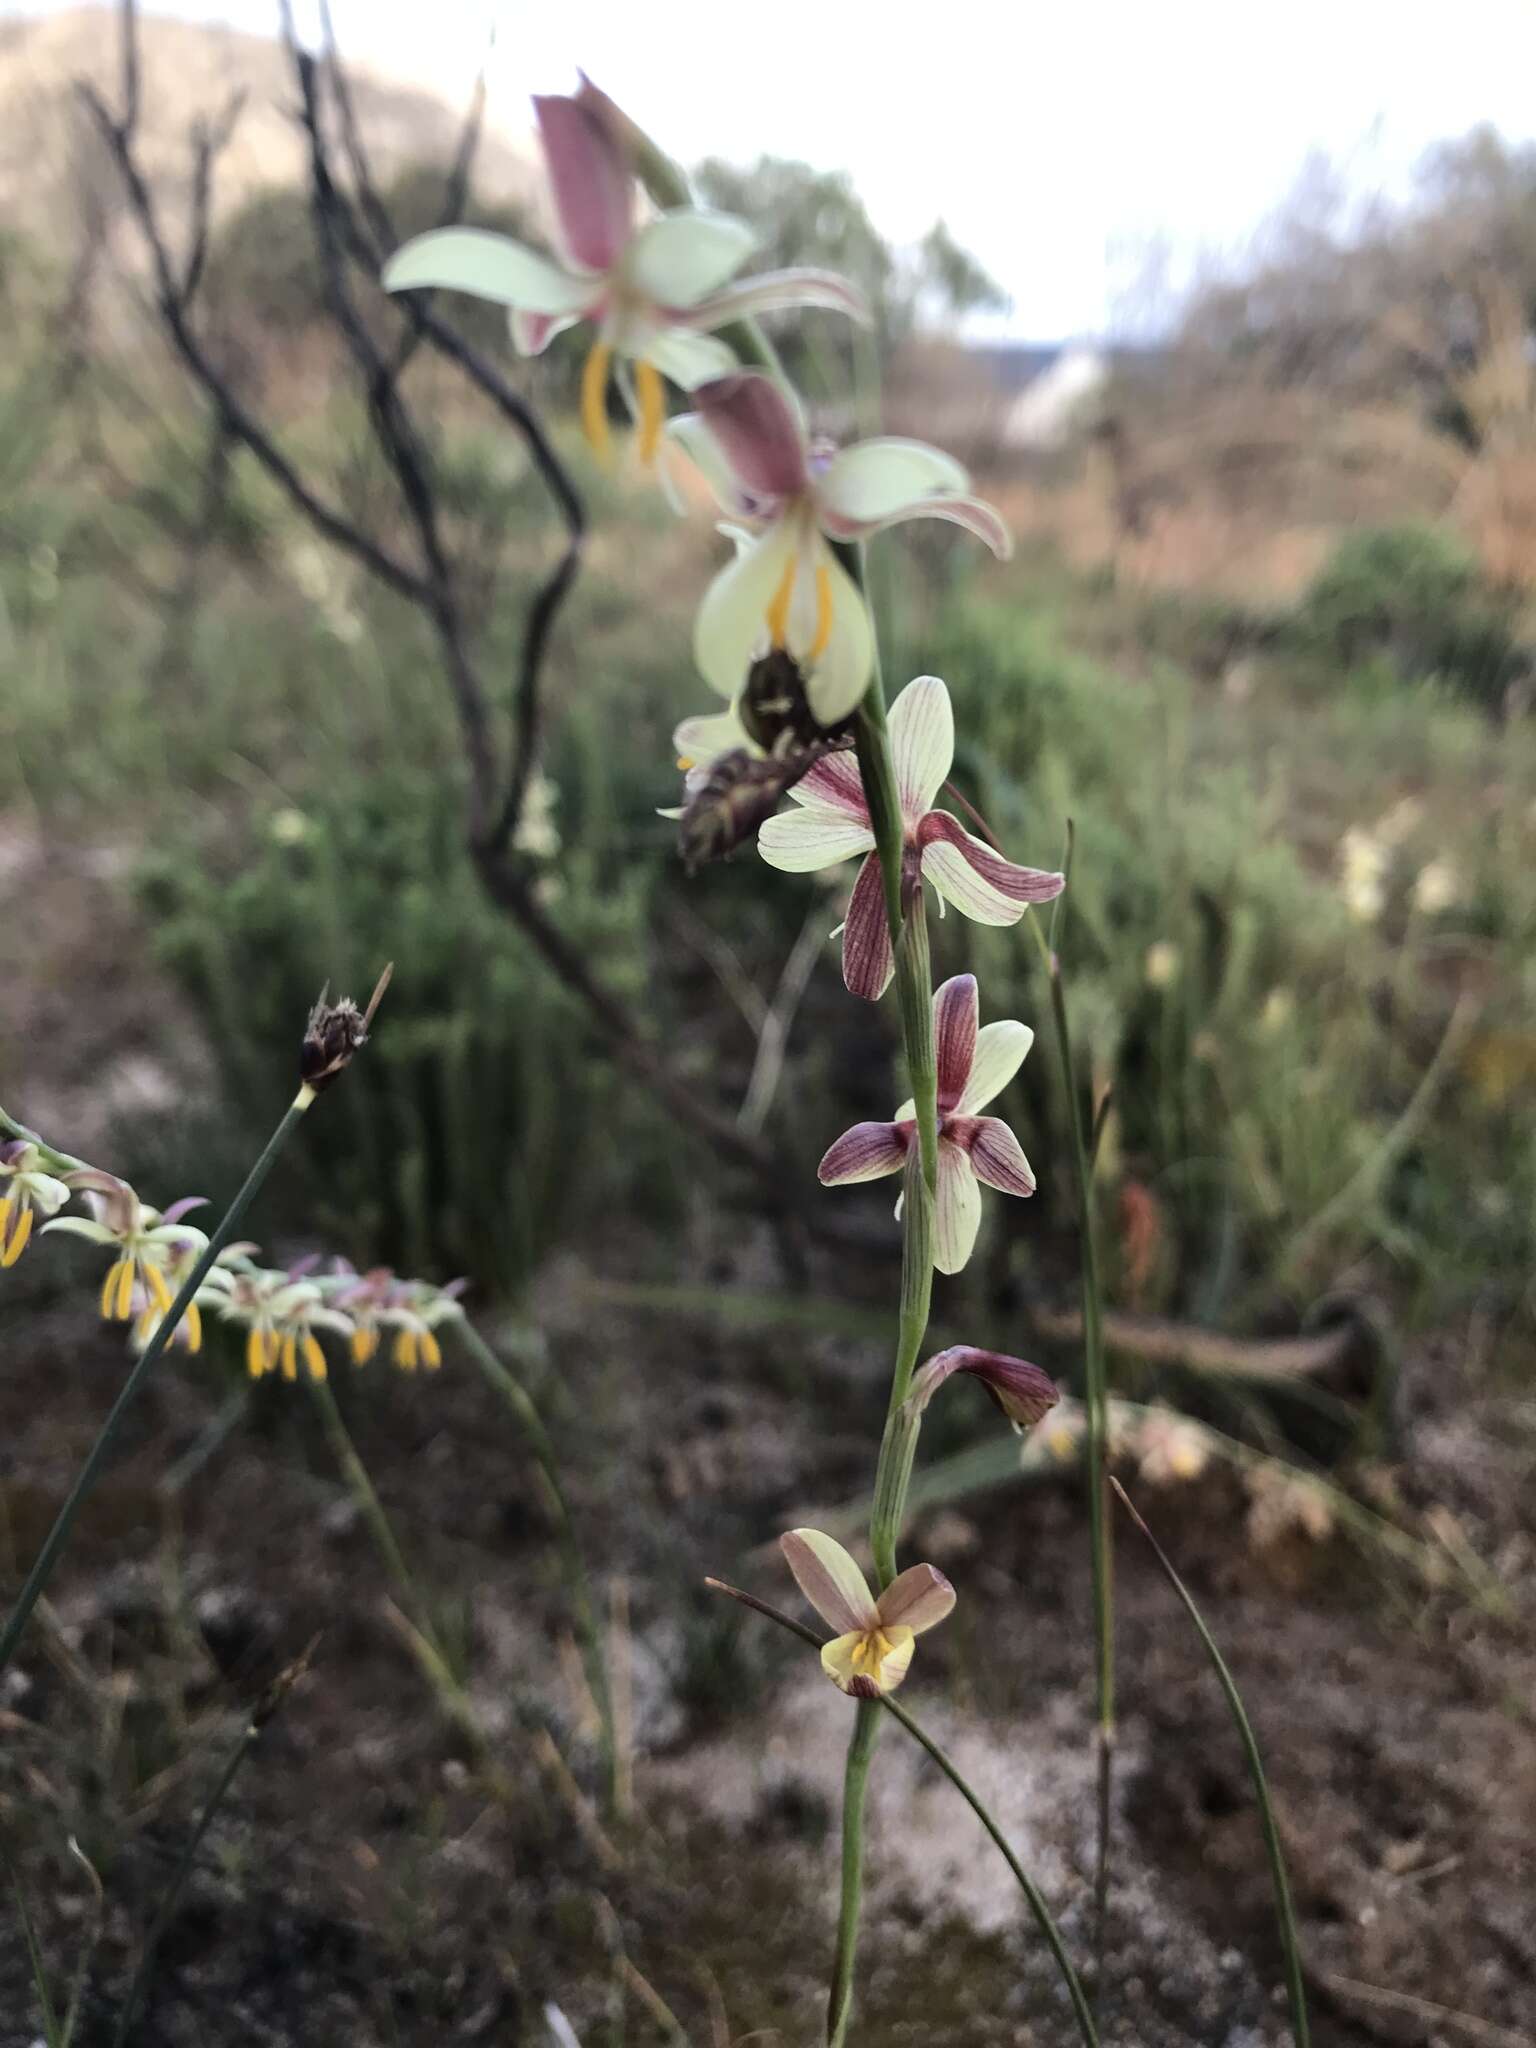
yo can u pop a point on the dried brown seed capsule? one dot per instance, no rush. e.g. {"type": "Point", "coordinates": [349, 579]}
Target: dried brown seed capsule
{"type": "Point", "coordinates": [334, 1033]}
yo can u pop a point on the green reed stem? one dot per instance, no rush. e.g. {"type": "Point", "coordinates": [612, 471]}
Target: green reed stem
{"type": "Point", "coordinates": [355, 1472]}
{"type": "Point", "coordinates": [90, 1471]}
{"type": "Point", "coordinates": [908, 922]}
{"type": "Point", "coordinates": [1285, 1911]}
{"type": "Point", "coordinates": [861, 1753]}
{"type": "Point", "coordinates": [1034, 1898]}
{"type": "Point", "coordinates": [1096, 1405]}
{"type": "Point", "coordinates": [577, 1584]}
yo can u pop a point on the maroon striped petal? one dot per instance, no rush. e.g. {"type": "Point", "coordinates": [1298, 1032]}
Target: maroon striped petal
{"type": "Point", "coordinates": [592, 188]}
{"type": "Point", "coordinates": [976, 878]}
{"type": "Point", "coordinates": [956, 1009]}
{"type": "Point", "coordinates": [868, 962]}
{"type": "Point", "coordinates": [996, 1155]}
{"type": "Point", "coordinates": [759, 433]}
{"type": "Point", "coordinates": [867, 1152]}
{"type": "Point", "coordinates": [834, 781]}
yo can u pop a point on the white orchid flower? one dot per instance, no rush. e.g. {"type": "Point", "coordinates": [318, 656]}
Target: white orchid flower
{"type": "Point", "coordinates": [655, 292]}
{"type": "Point", "coordinates": [873, 1646]}
{"type": "Point", "coordinates": [973, 1066]}
{"type": "Point", "coordinates": [786, 588]}
{"type": "Point", "coordinates": [832, 824]}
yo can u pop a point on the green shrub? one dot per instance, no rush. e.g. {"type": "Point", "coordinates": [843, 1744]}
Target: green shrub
{"type": "Point", "coordinates": [1417, 596]}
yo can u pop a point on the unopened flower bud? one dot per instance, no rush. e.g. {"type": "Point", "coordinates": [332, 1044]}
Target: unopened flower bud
{"type": "Point", "coordinates": [1019, 1390]}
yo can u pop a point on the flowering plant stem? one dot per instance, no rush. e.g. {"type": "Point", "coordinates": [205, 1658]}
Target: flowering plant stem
{"type": "Point", "coordinates": [578, 1586]}
{"type": "Point", "coordinates": [355, 1472]}
{"type": "Point", "coordinates": [96, 1458]}
{"type": "Point", "coordinates": [908, 921]}
{"type": "Point", "coordinates": [1096, 1408]}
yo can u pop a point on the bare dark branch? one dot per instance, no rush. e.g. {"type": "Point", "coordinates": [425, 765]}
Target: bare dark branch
{"type": "Point", "coordinates": [347, 235]}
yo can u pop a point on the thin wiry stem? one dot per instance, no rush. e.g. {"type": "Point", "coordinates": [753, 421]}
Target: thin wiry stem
{"type": "Point", "coordinates": [1285, 1911]}
{"type": "Point", "coordinates": [96, 1457]}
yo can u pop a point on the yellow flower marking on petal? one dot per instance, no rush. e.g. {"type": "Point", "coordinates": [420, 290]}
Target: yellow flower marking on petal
{"type": "Point", "coordinates": [431, 1351]}
{"type": "Point", "coordinates": [18, 1238]}
{"type": "Point", "coordinates": [314, 1357]}
{"type": "Point", "coordinates": [594, 401]}
{"type": "Point", "coordinates": [778, 611]}
{"type": "Point", "coordinates": [653, 409]}
{"type": "Point", "coordinates": [290, 1357]}
{"type": "Point", "coordinates": [818, 646]}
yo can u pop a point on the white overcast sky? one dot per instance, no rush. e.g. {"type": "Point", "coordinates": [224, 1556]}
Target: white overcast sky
{"type": "Point", "coordinates": [1054, 136]}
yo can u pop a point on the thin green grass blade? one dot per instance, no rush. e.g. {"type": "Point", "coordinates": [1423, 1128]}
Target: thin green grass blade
{"type": "Point", "coordinates": [1285, 1914]}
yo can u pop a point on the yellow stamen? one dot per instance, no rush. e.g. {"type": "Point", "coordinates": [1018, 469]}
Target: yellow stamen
{"type": "Point", "coordinates": [778, 611]}
{"type": "Point", "coordinates": [154, 1280]}
{"type": "Point", "coordinates": [109, 1290]}
{"type": "Point", "coordinates": [290, 1357]}
{"type": "Point", "coordinates": [594, 401]}
{"type": "Point", "coordinates": [431, 1351]}
{"type": "Point", "coordinates": [18, 1238]}
{"type": "Point", "coordinates": [405, 1350]}
{"type": "Point", "coordinates": [314, 1357]}
{"type": "Point", "coordinates": [365, 1341]}
{"type": "Point", "coordinates": [684, 762]}
{"type": "Point", "coordinates": [653, 409]}
{"type": "Point", "coordinates": [192, 1323]}
{"type": "Point", "coordinates": [5, 1215]}
{"type": "Point", "coordinates": [255, 1353]}
{"type": "Point", "coordinates": [823, 614]}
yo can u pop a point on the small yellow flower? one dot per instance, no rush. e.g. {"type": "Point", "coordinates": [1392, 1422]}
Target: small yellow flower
{"type": "Point", "coordinates": [26, 1193]}
{"type": "Point", "coordinates": [147, 1241]}
{"type": "Point", "coordinates": [873, 1647]}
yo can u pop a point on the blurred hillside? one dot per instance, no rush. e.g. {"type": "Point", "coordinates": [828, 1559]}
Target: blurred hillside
{"type": "Point", "coordinates": [55, 185]}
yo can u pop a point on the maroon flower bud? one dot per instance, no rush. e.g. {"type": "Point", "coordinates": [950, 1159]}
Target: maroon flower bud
{"type": "Point", "coordinates": [1022, 1391]}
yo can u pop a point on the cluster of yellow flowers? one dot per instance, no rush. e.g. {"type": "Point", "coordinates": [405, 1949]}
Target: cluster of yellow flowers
{"type": "Point", "coordinates": [154, 1251]}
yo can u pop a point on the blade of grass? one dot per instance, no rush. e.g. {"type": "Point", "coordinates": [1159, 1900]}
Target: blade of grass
{"type": "Point", "coordinates": [1285, 1914]}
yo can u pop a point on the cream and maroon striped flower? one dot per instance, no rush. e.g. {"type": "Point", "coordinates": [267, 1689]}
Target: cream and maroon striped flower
{"type": "Point", "coordinates": [973, 1066]}
{"type": "Point", "coordinates": [831, 823]}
